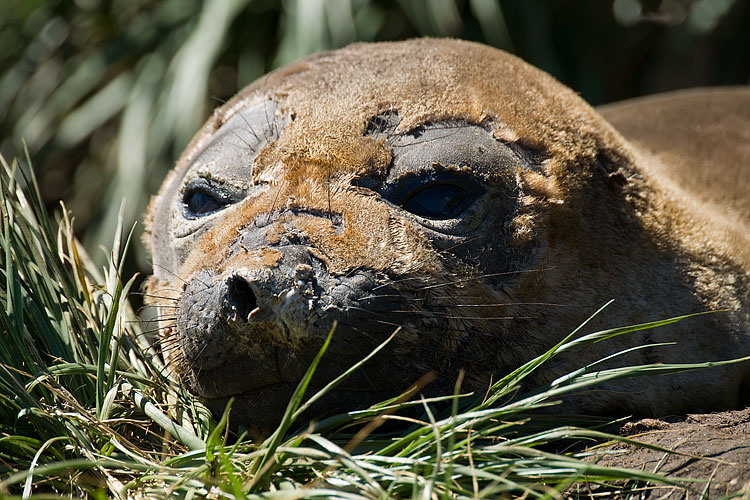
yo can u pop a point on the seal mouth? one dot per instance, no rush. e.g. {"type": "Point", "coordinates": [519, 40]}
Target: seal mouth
{"type": "Point", "coordinates": [259, 409]}
{"type": "Point", "coordinates": [240, 376]}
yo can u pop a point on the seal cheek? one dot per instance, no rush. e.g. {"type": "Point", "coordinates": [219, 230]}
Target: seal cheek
{"type": "Point", "coordinates": [374, 238]}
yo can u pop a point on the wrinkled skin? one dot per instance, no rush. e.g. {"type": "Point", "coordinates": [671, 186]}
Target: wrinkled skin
{"type": "Point", "coordinates": [451, 191]}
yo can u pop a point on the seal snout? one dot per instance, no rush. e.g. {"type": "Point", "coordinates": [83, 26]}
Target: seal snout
{"type": "Point", "coordinates": [203, 335]}
{"type": "Point", "coordinates": [246, 312]}
{"type": "Point", "coordinates": [251, 299]}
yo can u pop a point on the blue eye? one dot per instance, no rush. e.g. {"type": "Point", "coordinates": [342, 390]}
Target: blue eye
{"type": "Point", "coordinates": [441, 201]}
{"type": "Point", "coordinates": [199, 203]}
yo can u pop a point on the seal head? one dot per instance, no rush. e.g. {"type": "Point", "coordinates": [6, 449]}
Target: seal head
{"type": "Point", "coordinates": [439, 187]}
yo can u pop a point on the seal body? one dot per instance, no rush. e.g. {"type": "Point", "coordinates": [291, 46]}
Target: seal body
{"type": "Point", "coordinates": [453, 192]}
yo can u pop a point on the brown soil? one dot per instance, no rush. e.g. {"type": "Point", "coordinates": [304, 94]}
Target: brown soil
{"type": "Point", "coordinates": [713, 448]}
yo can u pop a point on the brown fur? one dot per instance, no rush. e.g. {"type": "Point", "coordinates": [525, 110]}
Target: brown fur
{"type": "Point", "coordinates": [697, 139]}
{"type": "Point", "coordinates": [581, 216]}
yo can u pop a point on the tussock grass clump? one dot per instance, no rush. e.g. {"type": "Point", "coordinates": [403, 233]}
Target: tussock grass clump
{"type": "Point", "coordinates": [81, 391]}
{"type": "Point", "coordinates": [87, 408]}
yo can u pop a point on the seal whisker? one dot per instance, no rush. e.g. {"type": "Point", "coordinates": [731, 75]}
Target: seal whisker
{"type": "Point", "coordinates": [477, 278]}
{"type": "Point", "coordinates": [174, 274]}
{"type": "Point", "coordinates": [273, 203]}
{"type": "Point", "coordinates": [500, 304]}
{"type": "Point", "coordinates": [145, 333]}
{"type": "Point", "coordinates": [425, 302]}
{"type": "Point", "coordinates": [241, 139]}
{"type": "Point", "coordinates": [419, 263]}
{"type": "Point", "coordinates": [271, 123]}
{"type": "Point", "coordinates": [421, 278]}
{"type": "Point", "coordinates": [164, 318]}
{"type": "Point", "coordinates": [252, 131]}
{"type": "Point", "coordinates": [425, 141]}
{"type": "Point", "coordinates": [421, 96]}
{"type": "Point", "coordinates": [438, 333]}
{"type": "Point", "coordinates": [328, 191]}
{"type": "Point", "coordinates": [161, 297]}
{"type": "Point", "coordinates": [392, 110]}
{"type": "Point", "coordinates": [166, 306]}
{"type": "Point", "coordinates": [432, 314]}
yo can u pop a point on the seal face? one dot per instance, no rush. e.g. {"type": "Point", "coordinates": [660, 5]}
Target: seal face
{"type": "Point", "coordinates": [435, 186]}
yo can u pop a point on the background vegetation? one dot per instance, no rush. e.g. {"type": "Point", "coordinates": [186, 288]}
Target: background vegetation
{"type": "Point", "coordinates": [106, 93]}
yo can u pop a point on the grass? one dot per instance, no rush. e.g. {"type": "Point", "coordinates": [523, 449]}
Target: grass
{"type": "Point", "coordinates": [87, 408]}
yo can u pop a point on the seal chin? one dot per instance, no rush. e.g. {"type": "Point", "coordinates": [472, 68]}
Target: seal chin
{"type": "Point", "coordinates": [244, 373]}
{"type": "Point", "coordinates": [259, 409]}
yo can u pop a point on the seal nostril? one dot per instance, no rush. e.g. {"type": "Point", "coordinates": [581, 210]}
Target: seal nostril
{"type": "Point", "coordinates": [241, 298]}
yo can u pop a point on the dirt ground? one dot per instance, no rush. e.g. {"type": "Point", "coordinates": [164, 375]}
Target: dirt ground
{"type": "Point", "coordinates": [714, 448]}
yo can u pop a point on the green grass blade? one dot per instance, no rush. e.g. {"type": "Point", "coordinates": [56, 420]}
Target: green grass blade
{"type": "Point", "coordinates": [261, 466]}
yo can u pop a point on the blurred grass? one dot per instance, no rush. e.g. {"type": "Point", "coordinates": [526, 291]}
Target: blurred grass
{"type": "Point", "coordinates": [106, 93]}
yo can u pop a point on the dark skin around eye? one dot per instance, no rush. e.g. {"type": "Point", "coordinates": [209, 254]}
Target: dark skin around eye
{"type": "Point", "coordinates": [437, 202]}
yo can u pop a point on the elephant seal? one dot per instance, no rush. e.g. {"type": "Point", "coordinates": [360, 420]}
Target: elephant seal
{"type": "Point", "coordinates": [457, 193]}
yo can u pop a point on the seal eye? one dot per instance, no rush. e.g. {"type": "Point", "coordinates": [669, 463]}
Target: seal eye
{"type": "Point", "coordinates": [199, 203]}
{"type": "Point", "coordinates": [438, 202]}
